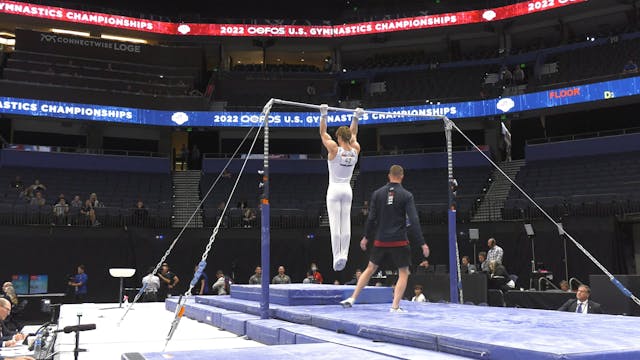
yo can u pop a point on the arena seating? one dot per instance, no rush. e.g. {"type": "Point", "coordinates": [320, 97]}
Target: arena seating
{"type": "Point", "coordinates": [299, 199]}
{"type": "Point", "coordinates": [149, 85]}
{"type": "Point", "coordinates": [589, 186]}
{"type": "Point", "coordinates": [429, 188]}
{"type": "Point", "coordinates": [247, 89]}
{"type": "Point", "coordinates": [603, 59]}
{"type": "Point", "coordinates": [450, 84]}
{"type": "Point", "coordinates": [292, 205]}
{"type": "Point", "coordinates": [118, 191]}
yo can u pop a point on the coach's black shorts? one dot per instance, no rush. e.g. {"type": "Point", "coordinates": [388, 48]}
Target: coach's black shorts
{"type": "Point", "coordinates": [401, 256]}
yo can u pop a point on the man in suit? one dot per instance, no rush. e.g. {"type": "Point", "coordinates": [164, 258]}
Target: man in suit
{"type": "Point", "coordinates": [466, 267]}
{"type": "Point", "coordinates": [7, 339]}
{"type": "Point", "coordinates": [582, 304]}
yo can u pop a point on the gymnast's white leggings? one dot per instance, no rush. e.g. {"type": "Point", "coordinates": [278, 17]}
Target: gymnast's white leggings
{"type": "Point", "coordinates": [339, 197]}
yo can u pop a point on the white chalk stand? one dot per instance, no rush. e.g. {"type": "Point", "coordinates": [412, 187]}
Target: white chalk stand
{"type": "Point", "coordinates": [121, 273]}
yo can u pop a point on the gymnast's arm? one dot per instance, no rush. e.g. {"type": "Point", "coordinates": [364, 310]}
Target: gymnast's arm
{"type": "Point", "coordinates": [332, 146]}
{"type": "Point", "coordinates": [354, 128]}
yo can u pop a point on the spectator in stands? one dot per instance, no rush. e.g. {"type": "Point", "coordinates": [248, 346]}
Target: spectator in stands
{"type": "Point", "coordinates": [17, 184]}
{"type": "Point", "coordinates": [317, 276]}
{"type": "Point", "coordinates": [8, 339]}
{"type": "Point", "coordinates": [94, 201]}
{"type": "Point", "coordinates": [482, 259]}
{"type": "Point", "coordinates": [221, 286]}
{"type": "Point", "coordinates": [355, 278]}
{"type": "Point", "coordinates": [168, 282]}
{"type": "Point", "coordinates": [466, 267]}
{"type": "Point", "coordinates": [152, 283]}
{"type": "Point", "coordinates": [61, 196]}
{"type": "Point", "coordinates": [79, 282]}
{"type": "Point", "coordinates": [256, 278]}
{"type": "Point", "coordinates": [9, 293]}
{"type": "Point", "coordinates": [518, 75]}
{"type": "Point", "coordinates": [364, 210]}
{"type": "Point", "coordinates": [311, 92]}
{"type": "Point", "coordinates": [89, 212]}
{"type": "Point", "coordinates": [498, 276]}
{"type": "Point", "coordinates": [219, 213]}
{"type": "Point", "coordinates": [630, 67]}
{"type": "Point", "coordinates": [309, 279]}
{"type": "Point", "coordinates": [424, 267]}
{"type": "Point", "coordinates": [506, 76]}
{"type": "Point", "coordinates": [248, 217]}
{"type": "Point", "coordinates": [495, 252]}
{"type": "Point", "coordinates": [140, 214]}
{"type": "Point", "coordinates": [38, 200]}
{"type": "Point", "coordinates": [564, 286]}
{"type": "Point", "coordinates": [419, 296]}
{"type": "Point", "coordinates": [37, 186]}
{"type": "Point", "coordinates": [60, 211]}
{"type": "Point", "coordinates": [582, 304]}
{"type": "Point", "coordinates": [76, 202]}
{"type": "Point", "coordinates": [184, 156]}
{"type": "Point", "coordinates": [242, 204]}
{"type": "Point", "coordinates": [281, 278]}
{"type": "Point", "coordinates": [202, 286]}
{"type": "Point", "coordinates": [195, 158]}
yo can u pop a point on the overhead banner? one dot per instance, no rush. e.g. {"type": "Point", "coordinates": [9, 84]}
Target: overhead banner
{"type": "Point", "coordinates": [239, 30]}
{"type": "Point", "coordinates": [471, 109]}
{"type": "Point", "coordinates": [69, 45]}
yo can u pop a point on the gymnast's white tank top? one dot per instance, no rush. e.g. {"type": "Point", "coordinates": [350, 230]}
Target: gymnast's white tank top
{"type": "Point", "coordinates": [341, 167]}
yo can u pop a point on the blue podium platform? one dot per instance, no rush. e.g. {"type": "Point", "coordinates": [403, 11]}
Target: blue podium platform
{"type": "Point", "coordinates": [312, 294]}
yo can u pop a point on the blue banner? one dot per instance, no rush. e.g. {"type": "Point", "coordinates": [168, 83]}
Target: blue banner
{"type": "Point", "coordinates": [470, 109]}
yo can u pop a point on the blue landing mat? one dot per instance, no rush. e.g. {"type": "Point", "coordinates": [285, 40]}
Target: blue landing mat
{"type": "Point", "coordinates": [473, 331]}
{"type": "Point", "coordinates": [279, 332]}
{"type": "Point", "coordinates": [312, 294]}
{"type": "Point", "coordinates": [324, 351]}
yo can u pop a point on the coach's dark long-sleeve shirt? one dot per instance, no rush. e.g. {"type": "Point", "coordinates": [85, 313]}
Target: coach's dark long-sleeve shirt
{"type": "Point", "coordinates": [389, 208]}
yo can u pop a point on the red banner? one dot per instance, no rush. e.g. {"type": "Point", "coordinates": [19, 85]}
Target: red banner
{"type": "Point", "coordinates": [237, 30]}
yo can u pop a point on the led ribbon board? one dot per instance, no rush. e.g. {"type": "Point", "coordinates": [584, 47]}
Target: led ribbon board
{"type": "Point", "coordinates": [470, 109]}
{"type": "Point", "coordinates": [305, 31]}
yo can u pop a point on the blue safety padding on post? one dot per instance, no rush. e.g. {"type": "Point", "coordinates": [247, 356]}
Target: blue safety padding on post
{"type": "Point", "coordinates": [619, 285]}
{"type": "Point", "coordinates": [453, 259]}
{"type": "Point", "coordinates": [201, 266]}
{"type": "Point", "coordinates": [265, 251]}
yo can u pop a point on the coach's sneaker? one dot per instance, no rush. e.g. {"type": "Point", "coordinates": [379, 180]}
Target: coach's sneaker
{"type": "Point", "coordinates": [397, 310]}
{"type": "Point", "coordinates": [347, 303]}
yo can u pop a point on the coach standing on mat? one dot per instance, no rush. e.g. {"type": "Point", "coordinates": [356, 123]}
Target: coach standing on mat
{"type": "Point", "coordinates": [389, 208]}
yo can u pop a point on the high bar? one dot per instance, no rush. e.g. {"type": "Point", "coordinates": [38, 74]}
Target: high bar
{"type": "Point", "coordinates": [317, 107]}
